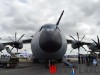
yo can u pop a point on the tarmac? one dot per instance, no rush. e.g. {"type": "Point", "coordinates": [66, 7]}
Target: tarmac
{"type": "Point", "coordinates": [29, 68]}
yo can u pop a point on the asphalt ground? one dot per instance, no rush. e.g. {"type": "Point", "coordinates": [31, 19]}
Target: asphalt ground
{"type": "Point", "coordinates": [29, 68]}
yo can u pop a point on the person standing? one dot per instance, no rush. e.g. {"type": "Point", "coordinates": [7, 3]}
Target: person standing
{"type": "Point", "coordinates": [87, 60]}
{"type": "Point", "coordinates": [95, 60]}
{"type": "Point", "coordinates": [79, 59]}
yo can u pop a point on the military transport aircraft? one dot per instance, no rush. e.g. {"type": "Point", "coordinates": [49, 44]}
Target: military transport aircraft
{"type": "Point", "coordinates": [49, 43]}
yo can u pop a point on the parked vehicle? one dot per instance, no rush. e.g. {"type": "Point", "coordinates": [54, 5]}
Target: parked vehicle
{"type": "Point", "coordinates": [8, 61]}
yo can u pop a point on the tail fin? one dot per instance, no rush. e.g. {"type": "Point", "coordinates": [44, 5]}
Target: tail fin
{"type": "Point", "coordinates": [59, 18]}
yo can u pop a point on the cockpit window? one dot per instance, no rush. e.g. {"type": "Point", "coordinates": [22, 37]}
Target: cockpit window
{"type": "Point", "coordinates": [49, 27]}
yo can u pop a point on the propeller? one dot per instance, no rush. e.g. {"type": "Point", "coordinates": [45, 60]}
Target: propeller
{"type": "Point", "coordinates": [97, 43]}
{"type": "Point", "coordinates": [16, 43]}
{"type": "Point", "coordinates": [78, 43]}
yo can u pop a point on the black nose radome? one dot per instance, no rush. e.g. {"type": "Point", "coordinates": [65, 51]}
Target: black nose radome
{"type": "Point", "coordinates": [50, 41]}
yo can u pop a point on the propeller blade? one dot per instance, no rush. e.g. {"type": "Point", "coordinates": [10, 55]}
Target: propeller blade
{"type": "Point", "coordinates": [82, 38]}
{"type": "Point", "coordinates": [73, 38]}
{"type": "Point", "coordinates": [21, 37]}
{"type": "Point", "coordinates": [11, 39]}
{"type": "Point", "coordinates": [25, 49]}
{"type": "Point", "coordinates": [98, 39]}
{"type": "Point", "coordinates": [12, 49]}
{"type": "Point", "coordinates": [78, 36]}
{"type": "Point", "coordinates": [94, 41]}
{"type": "Point", "coordinates": [17, 50]}
{"type": "Point", "coordinates": [84, 48]}
{"type": "Point", "coordinates": [71, 50]}
{"type": "Point", "coordinates": [15, 35]}
{"type": "Point", "coordinates": [59, 18]}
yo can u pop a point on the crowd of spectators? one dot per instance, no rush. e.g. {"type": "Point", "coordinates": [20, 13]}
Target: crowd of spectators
{"type": "Point", "coordinates": [87, 59]}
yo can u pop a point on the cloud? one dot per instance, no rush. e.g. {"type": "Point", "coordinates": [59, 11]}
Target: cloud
{"type": "Point", "coordinates": [26, 16]}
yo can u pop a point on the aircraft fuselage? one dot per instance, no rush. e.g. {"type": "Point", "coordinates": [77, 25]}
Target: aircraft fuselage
{"type": "Point", "coordinates": [49, 43]}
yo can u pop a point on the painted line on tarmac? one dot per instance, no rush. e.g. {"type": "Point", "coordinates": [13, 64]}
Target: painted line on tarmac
{"type": "Point", "coordinates": [18, 69]}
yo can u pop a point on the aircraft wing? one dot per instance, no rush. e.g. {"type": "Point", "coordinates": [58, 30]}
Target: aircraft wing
{"type": "Point", "coordinates": [7, 43]}
{"type": "Point", "coordinates": [23, 41]}
{"type": "Point", "coordinates": [69, 41]}
{"type": "Point", "coordinates": [27, 41]}
{"type": "Point", "coordinates": [84, 43]}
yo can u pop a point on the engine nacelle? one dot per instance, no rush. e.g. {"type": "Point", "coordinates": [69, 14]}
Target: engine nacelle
{"type": "Point", "coordinates": [18, 45]}
{"type": "Point", "coordinates": [74, 45]}
{"type": "Point", "coordinates": [92, 46]}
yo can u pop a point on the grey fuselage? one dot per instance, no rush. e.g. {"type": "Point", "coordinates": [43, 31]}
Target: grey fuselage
{"type": "Point", "coordinates": [49, 43]}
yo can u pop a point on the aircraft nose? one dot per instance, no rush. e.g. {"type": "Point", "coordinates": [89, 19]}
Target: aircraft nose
{"type": "Point", "coordinates": [50, 41]}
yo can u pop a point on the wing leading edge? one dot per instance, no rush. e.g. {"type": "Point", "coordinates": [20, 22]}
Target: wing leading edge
{"type": "Point", "coordinates": [23, 41]}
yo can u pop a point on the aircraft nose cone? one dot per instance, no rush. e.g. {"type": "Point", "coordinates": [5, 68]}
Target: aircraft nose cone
{"type": "Point", "coordinates": [50, 41]}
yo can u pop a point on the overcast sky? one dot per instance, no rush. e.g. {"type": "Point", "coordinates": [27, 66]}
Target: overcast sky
{"type": "Point", "coordinates": [26, 16]}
